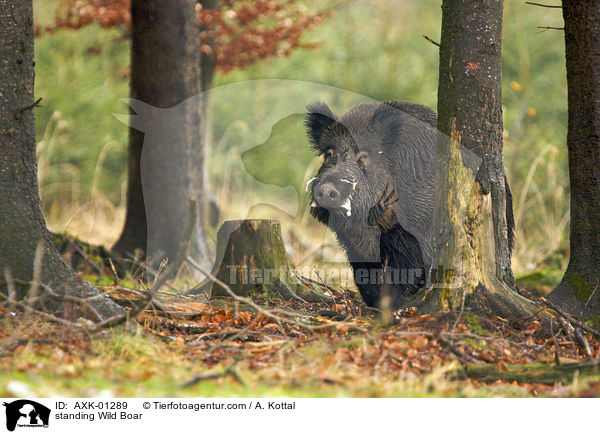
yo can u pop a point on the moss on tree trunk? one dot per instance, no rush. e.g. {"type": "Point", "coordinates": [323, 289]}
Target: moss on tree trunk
{"type": "Point", "coordinates": [467, 278]}
{"type": "Point", "coordinates": [251, 260]}
{"type": "Point", "coordinates": [579, 291]}
{"type": "Point", "coordinates": [471, 221]}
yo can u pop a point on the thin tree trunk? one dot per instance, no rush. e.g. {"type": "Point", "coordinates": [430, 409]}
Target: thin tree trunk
{"type": "Point", "coordinates": [207, 56]}
{"type": "Point", "coordinates": [165, 159]}
{"type": "Point", "coordinates": [472, 231]}
{"type": "Point", "coordinates": [579, 291]}
{"type": "Point", "coordinates": [22, 227]}
{"type": "Point", "coordinates": [207, 72]}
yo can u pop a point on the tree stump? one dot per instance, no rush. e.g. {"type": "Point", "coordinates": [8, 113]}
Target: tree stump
{"type": "Point", "coordinates": [251, 260]}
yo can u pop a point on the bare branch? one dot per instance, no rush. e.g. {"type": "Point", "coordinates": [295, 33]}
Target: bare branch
{"type": "Point", "coordinates": [321, 284]}
{"type": "Point", "coordinates": [543, 5]}
{"type": "Point", "coordinates": [30, 106]}
{"type": "Point", "coordinates": [454, 350]}
{"type": "Point", "coordinates": [437, 44]}
{"type": "Point", "coordinates": [114, 272]}
{"type": "Point", "coordinates": [550, 28]}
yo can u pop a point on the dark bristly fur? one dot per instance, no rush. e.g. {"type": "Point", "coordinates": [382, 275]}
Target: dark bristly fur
{"type": "Point", "coordinates": [382, 157]}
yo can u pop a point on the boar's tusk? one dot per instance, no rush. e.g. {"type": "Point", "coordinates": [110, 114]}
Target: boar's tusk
{"type": "Point", "coordinates": [348, 207]}
{"type": "Point", "coordinates": [309, 182]}
{"type": "Point", "coordinates": [313, 204]}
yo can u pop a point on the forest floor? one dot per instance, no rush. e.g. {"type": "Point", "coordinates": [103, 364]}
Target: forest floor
{"type": "Point", "coordinates": [334, 349]}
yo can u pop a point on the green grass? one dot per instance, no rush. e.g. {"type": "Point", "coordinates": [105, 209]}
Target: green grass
{"type": "Point", "coordinates": [79, 140]}
{"type": "Point", "coordinates": [121, 363]}
{"type": "Point", "coordinates": [132, 365]}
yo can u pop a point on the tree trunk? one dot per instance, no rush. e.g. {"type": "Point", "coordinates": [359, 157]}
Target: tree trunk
{"type": "Point", "coordinates": [465, 275]}
{"type": "Point", "coordinates": [579, 292]}
{"type": "Point", "coordinates": [207, 71]}
{"type": "Point", "coordinates": [23, 229]}
{"type": "Point", "coordinates": [252, 261]}
{"type": "Point", "coordinates": [207, 55]}
{"type": "Point", "coordinates": [165, 160]}
{"type": "Point", "coordinates": [470, 91]}
{"type": "Point", "coordinates": [473, 234]}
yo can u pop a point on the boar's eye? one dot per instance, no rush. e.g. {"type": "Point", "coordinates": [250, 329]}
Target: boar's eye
{"type": "Point", "coordinates": [329, 154]}
{"type": "Point", "coordinates": [362, 158]}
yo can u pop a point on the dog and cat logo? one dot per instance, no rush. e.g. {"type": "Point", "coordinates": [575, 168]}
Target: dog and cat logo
{"type": "Point", "coordinates": [26, 413]}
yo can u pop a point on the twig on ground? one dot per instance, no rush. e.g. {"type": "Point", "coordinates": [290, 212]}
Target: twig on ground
{"type": "Point", "coordinates": [458, 353]}
{"type": "Point", "coordinates": [554, 335]}
{"type": "Point", "coordinates": [227, 372]}
{"type": "Point", "coordinates": [462, 309]}
{"type": "Point", "coordinates": [137, 263]}
{"type": "Point", "coordinates": [579, 337]}
{"type": "Point", "coordinates": [573, 321]}
{"type": "Point", "coordinates": [446, 340]}
{"type": "Point", "coordinates": [75, 245]}
{"type": "Point", "coordinates": [584, 343]}
{"type": "Point", "coordinates": [114, 272]}
{"type": "Point", "coordinates": [316, 282]}
{"type": "Point", "coordinates": [267, 312]}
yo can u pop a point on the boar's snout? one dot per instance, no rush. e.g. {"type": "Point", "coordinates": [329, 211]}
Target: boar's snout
{"type": "Point", "coordinates": [327, 195]}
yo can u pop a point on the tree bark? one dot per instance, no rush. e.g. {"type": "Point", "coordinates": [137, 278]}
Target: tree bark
{"type": "Point", "coordinates": [472, 242]}
{"type": "Point", "coordinates": [24, 238]}
{"type": "Point", "coordinates": [578, 293]}
{"type": "Point", "coordinates": [165, 164]}
{"type": "Point", "coordinates": [207, 55]}
{"type": "Point", "coordinates": [470, 91]}
{"type": "Point", "coordinates": [208, 63]}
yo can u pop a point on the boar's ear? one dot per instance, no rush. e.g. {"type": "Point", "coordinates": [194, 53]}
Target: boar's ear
{"type": "Point", "coordinates": [387, 121]}
{"type": "Point", "coordinates": [318, 119]}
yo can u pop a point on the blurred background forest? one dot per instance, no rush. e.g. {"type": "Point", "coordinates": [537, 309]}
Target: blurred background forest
{"type": "Point", "coordinates": [375, 49]}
